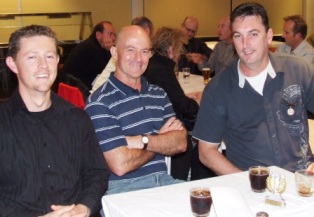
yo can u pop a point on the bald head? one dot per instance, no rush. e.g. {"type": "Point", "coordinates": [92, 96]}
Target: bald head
{"type": "Point", "coordinates": [224, 29]}
{"type": "Point", "coordinates": [190, 26]}
{"type": "Point", "coordinates": [132, 53]}
{"type": "Point", "coordinates": [131, 32]}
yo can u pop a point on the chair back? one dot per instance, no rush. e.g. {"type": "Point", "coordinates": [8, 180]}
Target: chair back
{"type": "Point", "coordinates": [71, 94]}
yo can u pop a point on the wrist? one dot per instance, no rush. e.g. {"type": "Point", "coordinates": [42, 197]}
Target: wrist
{"type": "Point", "coordinates": [145, 141]}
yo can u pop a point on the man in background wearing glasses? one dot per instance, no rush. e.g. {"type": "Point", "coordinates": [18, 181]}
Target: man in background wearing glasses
{"type": "Point", "coordinates": [196, 50]}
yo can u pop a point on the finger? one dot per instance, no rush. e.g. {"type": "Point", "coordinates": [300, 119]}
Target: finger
{"type": "Point", "coordinates": [170, 121]}
{"type": "Point", "coordinates": [61, 209]}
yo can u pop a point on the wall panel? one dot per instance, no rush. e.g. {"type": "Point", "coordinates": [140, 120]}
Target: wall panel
{"type": "Point", "coordinates": [209, 12]}
{"type": "Point", "coordinates": [117, 11]}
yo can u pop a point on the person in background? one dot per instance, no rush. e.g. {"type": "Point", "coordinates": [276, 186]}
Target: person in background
{"type": "Point", "coordinates": [143, 22]}
{"type": "Point", "coordinates": [224, 52]}
{"type": "Point", "coordinates": [196, 50]}
{"type": "Point", "coordinates": [90, 57]}
{"type": "Point", "coordinates": [258, 105]}
{"type": "Point", "coordinates": [167, 47]}
{"type": "Point", "coordinates": [50, 161]}
{"type": "Point", "coordinates": [134, 121]}
{"type": "Point", "coordinates": [294, 33]}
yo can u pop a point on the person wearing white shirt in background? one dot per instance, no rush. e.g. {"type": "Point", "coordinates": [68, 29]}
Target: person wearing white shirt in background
{"type": "Point", "coordinates": [143, 22]}
{"type": "Point", "coordinates": [294, 33]}
{"type": "Point", "coordinates": [224, 52]}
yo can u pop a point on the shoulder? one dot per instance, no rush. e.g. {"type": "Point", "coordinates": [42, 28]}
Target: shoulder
{"type": "Point", "coordinates": [160, 65]}
{"type": "Point", "coordinates": [63, 106]}
{"type": "Point", "coordinates": [309, 49]}
{"type": "Point", "coordinates": [290, 64]}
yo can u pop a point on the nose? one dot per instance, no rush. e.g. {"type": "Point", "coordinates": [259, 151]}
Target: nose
{"type": "Point", "coordinates": [138, 56]}
{"type": "Point", "coordinates": [283, 35]}
{"type": "Point", "coordinates": [245, 42]}
{"type": "Point", "coordinates": [42, 62]}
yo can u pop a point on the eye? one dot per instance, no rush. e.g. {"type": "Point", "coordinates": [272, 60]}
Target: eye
{"type": "Point", "coordinates": [131, 50]}
{"type": "Point", "coordinates": [31, 57]}
{"type": "Point", "coordinates": [146, 52]}
{"type": "Point", "coordinates": [236, 35]}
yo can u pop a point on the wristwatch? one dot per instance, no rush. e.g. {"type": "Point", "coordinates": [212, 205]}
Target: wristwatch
{"type": "Point", "coordinates": [145, 141]}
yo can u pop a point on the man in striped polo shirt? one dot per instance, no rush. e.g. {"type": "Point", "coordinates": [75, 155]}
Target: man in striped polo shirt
{"type": "Point", "coordinates": [134, 121]}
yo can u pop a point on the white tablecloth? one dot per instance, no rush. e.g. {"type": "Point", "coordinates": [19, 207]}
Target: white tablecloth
{"type": "Point", "coordinates": [173, 200]}
{"type": "Point", "coordinates": [195, 84]}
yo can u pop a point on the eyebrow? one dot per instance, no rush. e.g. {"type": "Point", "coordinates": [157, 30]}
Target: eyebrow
{"type": "Point", "coordinates": [253, 30]}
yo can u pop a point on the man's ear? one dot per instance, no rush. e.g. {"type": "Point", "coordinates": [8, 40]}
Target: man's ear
{"type": "Point", "coordinates": [298, 35]}
{"type": "Point", "coordinates": [11, 64]}
{"type": "Point", "coordinates": [98, 35]}
{"type": "Point", "coordinates": [270, 35]}
{"type": "Point", "coordinates": [114, 52]}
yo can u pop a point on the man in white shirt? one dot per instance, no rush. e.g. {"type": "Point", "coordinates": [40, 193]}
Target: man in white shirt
{"type": "Point", "coordinates": [294, 33]}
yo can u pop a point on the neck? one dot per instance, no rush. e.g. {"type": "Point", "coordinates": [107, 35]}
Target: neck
{"type": "Point", "coordinates": [229, 40]}
{"type": "Point", "coordinates": [36, 102]}
{"type": "Point", "coordinates": [134, 83]}
{"type": "Point", "coordinates": [293, 47]}
{"type": "Point", "coordinates": [251, 71]}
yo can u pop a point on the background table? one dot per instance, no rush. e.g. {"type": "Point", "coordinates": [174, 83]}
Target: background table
{"type": "Point", "coordinates": [195, 84]}
{"type": "Point", "coordinates": [173, 200]}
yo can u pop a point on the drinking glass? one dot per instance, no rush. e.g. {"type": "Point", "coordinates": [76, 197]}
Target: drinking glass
{"type": "Point", "coordinates": [258, 176]}
{"type": "Point", "coordinates": [201, 201]}
{"type": "Point", "coordinates": [186, 74]}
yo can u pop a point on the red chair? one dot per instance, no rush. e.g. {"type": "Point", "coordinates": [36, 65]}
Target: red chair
{"type": "Point", "coordinates": [71, 94]}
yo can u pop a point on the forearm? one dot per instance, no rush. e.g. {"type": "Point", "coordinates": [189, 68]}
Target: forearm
{"type": "Point", "coordinates": [169, 143]}
{"type": "Point", "coordinates": [122, 160]}
{"type": "Point", "coordinates": [215, 160]}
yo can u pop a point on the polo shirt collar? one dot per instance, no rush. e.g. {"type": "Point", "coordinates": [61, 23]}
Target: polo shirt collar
{"type": "Point", "coordinates": [125, 89]}
{"type": "Point", "coordinates": [270, 70]}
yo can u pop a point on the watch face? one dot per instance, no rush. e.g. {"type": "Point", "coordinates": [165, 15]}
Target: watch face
{"type": "Point", "coordinates": [145, 139]}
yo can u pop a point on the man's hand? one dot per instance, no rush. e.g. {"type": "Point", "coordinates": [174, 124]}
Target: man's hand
{"type": "Point", "coordinates": [108, 42]}
{"type": "Point", "coordinates": [79, 210]}
{"type": "Point", "coordinates": [197, 96]}
{"type": "Point", "coordinates": [310, 168]}
{"type": "Point", "coordinates": [135, 142]}
{"type": "Point", "coordinates": [196, 58]}
{"type": "Point", "coordinates": [171, 124]}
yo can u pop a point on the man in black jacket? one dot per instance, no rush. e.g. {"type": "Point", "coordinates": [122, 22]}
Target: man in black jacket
{"type": "Point", "coordinates": [89, 58]}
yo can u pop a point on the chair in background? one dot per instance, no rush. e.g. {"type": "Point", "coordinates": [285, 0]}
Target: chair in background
{"type": "Point", "coordinates": [71, 94]}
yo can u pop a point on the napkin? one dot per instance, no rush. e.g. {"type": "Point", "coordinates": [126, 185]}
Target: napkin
{"type": "Point", "coordinates": [229, 202]}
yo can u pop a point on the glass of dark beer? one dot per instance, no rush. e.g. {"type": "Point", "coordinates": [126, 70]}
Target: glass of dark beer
{"type": "Point", "coordinates": [201, 201]}
{"type": "Point", "coordinates": [258, 176]}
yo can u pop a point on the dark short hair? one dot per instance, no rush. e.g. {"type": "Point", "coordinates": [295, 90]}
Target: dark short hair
{"type": "Point", "coordinates": [100, 27]}
{"type": "Point", "coordinates": [143, 22]}
{"type": "Point", "coordinates": [299, 25]}
{"type": "Point", "coordinates": [250, 9]}
{"type": "Point", "coordinates": [27, 32]}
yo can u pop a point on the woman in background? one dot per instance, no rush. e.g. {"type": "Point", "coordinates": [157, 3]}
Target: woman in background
{"type": "Point", "coordinates": [167, 46]}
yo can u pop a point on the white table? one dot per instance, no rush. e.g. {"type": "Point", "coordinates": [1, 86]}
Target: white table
{"type": "Point", "coordinates": [195, 84]}
{"type": "Point", "coordinates": [173, 200]}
